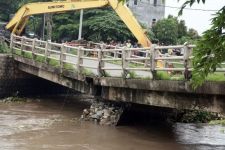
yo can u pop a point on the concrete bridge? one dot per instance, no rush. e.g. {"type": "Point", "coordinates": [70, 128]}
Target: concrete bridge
{"type": "Point", "coordinates": [118, 74]}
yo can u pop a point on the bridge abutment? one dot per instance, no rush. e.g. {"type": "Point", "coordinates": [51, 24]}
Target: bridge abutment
{"type": "Point", "coordinates": [14, 81]}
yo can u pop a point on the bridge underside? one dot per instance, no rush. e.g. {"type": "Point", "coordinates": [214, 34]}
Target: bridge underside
{"type": "Point", "coordinates": [170, 94]}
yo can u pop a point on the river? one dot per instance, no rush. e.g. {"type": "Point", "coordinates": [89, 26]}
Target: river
{"type": "Point", "coordinates": [47, 123]}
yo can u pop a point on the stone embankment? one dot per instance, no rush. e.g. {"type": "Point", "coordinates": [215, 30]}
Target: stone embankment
{"type": "Point", "coordinates": [104, 114]}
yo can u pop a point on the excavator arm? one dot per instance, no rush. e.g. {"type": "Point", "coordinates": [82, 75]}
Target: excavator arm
{"type": "Point", "coordinates": [18, 22]}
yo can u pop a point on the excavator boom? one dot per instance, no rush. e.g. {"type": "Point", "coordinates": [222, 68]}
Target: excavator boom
{"type": "Point", "coordinates": [18, 22]}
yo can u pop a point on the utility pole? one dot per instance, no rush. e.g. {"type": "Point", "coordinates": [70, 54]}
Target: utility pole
{"type": "Point", "coordinates": [81, 22]}
{"type": "Point", "coordinates": [48, 20]}
{"type": "Point", "coordinates": [43, 29]}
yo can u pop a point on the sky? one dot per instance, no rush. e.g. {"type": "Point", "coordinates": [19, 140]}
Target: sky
{"type": "Point", "coordinates": [199, 20]}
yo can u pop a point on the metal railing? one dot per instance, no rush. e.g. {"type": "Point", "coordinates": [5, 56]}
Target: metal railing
{"type": "Point", "coordinates": [124, 59]}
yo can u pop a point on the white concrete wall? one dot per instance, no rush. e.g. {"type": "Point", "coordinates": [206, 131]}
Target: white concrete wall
{"type": "Point", "coordinates": [145, 11]}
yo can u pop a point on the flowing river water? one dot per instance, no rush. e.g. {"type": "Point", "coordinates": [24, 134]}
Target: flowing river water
{"type": "Point", "coordinates": [50, 124]}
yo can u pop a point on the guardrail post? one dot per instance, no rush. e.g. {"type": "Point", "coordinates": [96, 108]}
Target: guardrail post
{"type": "Point", "coordinates": [153, 61]}
{"type": "Point", "coordinates": [124, 62]}
{"type": "Point", "coordinates": [101, 63]}
{"type": "Point", "coordinates": [80, 53]}
{"type": "Point", "coordinates": [116, 53]}
{"type": "Point", "coordinates": [147, 55]}
{"type": "Point", "coordinates": [62, 57]}
{"type": "Point", "coordinates": [187, 52]}
{"type": "Point", "coordinates": [33, 49]}
{"type": "Point", "coordinates": [22, 45]}
{"type": "Point", "coordinates": [12, 43]}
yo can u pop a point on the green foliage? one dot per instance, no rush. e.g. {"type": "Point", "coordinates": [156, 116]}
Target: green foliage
{"type": "Point", "coordinates": [73, 51]}
{"type": "Point", "coordinates": [217, 76]}
{"type": "Point", "coordinates": [197, 116]}
{"type": "Point", "coordinates": [182, 29]}
{"type": "Point", "coordinates": [171, 31]}
{"type": "Point", "coordinates": [217, 122]}
{"type": "Point", "coordinates": [40, 58]}
{"type": "Point", "coordinates": [6, 8]}
{"type": "Point", "coordinates": [9, 7]}
{"type": "Point", "coordinates": [87, 72]}
{"type": "Point", "coordinates": [210, 50]}
{"type": "Point", "coordinates": [27, 55]}
{"type": "Point", "coordinates": [17, 52]}
{"type": "Point", "coordinates": [68, 66]}
{"type": "Point", "coordinates": [166, 31]}
{"type": "Point", "coordinates": [4, 48]}
{"type": "Point", "coordinates": [98, 25]}
{"type": "Point", "coordinates": [162, 75]}
{"type": "Point", "coordinates": [53, 62]}
{"type": "Point", "coordinates": [132, 75]}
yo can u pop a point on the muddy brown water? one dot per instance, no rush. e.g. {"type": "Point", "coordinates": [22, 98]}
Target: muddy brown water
{"type": "Point", "coordinates": [53, 125]}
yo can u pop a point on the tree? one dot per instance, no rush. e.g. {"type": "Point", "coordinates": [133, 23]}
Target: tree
{"type": "Point", "coordinates": [210, 50]}
{"type": "Point", "coordinates": [166, 30]}
{"type": "Point", "coordinates": [98, 25]}
{"type": "Point", "coordinates": [6, 8]}
{"type": "Point", "coordinates": [182, 29]}
{"type": "Point", "coordinates": [173, 31]}
{"type": "Point", "coordinates": [193, 34]}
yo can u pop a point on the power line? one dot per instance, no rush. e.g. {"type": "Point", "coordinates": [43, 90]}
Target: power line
{"type": "Point", "coordinates": [194, 9]}
{"type": "Point", "coordinates": [191, 8]}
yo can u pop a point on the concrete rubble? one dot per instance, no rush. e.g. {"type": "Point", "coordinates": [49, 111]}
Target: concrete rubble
{"type": "Point", "coordinates": [104, 114]}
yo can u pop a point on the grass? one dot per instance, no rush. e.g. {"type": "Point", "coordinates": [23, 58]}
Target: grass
{"type": "Point", "coordinates": [162, 75]}
{"type": "Point", "coordinates": [87, 72]}
{"type": "Point", "coordinates": [53, 62]}
{"type": "Point", "coordinates": [27, 55]}
{"type": "Point", "coordinates": [132, 75]}
{"type": "Point", "coordinates": [69, 67]}
{"type": "Point", "coordinates": [134, 65]}
{"type": "Point", "coordinates": [73, 51]}
{"type": "Point", "coordinates": [18, 52]}
{"type": "Point", "coordinates": [217, 76]}
{"type": "Point", "coordinates": [217, 122]}
{"type": "Point", "coordinates": [4, 48]}
{"type": "Point", "coordinates": [40, 58]}
{"type": "Point", "coordinates": [116, 62]}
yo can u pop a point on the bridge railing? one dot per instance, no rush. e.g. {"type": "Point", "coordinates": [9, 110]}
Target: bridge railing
{"type": "Point", "coordinates": [102, 59]}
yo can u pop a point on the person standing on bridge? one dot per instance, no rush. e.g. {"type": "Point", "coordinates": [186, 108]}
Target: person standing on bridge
{"type": "Point", "coordinates": [128, 44]}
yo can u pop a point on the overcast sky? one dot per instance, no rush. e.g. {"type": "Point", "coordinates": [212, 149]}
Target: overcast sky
{"type": "Point", "coordinates": [199, 20]}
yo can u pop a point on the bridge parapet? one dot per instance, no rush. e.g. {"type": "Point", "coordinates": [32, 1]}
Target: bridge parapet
{"type": "Point", "coordinates": [104, 60]}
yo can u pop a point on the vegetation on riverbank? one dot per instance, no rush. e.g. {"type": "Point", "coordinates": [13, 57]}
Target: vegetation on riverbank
{"type": "Point", "coordinates": [217, 122]}
{"type": "Point", "coordinates": [14, 99]}
{"type": "Point", "coordinates": [199, 116]}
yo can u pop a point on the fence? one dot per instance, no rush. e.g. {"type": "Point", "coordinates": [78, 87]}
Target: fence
{"type": "Point", "coordinates": [124, 59]}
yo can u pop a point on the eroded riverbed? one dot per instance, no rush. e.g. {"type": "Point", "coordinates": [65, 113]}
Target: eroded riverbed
{"type": "Point", "coordinates": [47, 123]}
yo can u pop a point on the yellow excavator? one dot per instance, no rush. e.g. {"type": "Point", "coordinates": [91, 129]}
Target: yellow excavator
{"type": "Point", "coordinates": [18, 22]}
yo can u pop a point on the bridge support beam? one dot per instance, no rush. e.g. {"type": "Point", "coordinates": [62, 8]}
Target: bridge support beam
{"type": "Point", "coordinates": [212, 103]}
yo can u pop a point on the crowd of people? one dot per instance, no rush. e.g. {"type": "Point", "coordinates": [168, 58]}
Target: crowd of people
{"type": "Point", "coordinates": [118, 44]}
{"type": "Point", "coordinates": [129, 44]}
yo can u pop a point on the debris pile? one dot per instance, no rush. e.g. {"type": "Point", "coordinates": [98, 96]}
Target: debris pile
{"type": "Point", "coordinates": [105, 114]}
